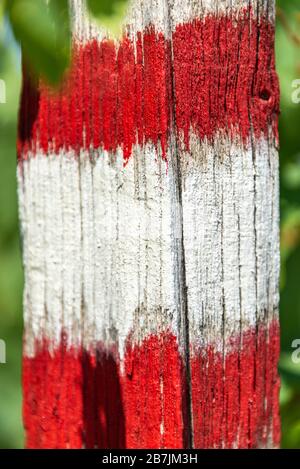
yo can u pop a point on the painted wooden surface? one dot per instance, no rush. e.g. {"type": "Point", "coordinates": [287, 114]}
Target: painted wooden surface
{"type": "Point", "coordinates": [148, 194]}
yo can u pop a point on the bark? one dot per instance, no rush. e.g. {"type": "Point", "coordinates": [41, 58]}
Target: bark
{"type": "Point", "coordinates": [148, 189]}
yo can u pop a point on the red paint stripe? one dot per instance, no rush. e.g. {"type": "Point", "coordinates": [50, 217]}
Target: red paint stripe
{"type": "Point", "coordinates": [74, 399]}
{"type": "Point", "coordinates": [236, 397]}
{"type": "Point", "coordinates": [122, 96]}
{"type": "Point", "coordinates": [221, 81]}
{"type": "Point", "coordinates": [52, 404]}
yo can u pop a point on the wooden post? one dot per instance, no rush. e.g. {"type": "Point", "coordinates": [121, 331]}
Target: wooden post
{"type": "Point", "coordinates": [148, 189]}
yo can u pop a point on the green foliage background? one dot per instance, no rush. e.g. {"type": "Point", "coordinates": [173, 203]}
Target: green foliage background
{"type": "Point", "coordinates": [11, 276]}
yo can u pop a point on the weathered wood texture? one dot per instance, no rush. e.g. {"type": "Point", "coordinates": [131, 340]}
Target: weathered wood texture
{"type": "Point", "coordinates": [148, 190]}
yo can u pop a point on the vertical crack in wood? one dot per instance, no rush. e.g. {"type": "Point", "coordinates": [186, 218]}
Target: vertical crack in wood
{"type": "Point", "coordinates": [184, 317]}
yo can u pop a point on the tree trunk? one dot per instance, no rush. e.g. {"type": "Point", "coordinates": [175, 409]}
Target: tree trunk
{"type": "Point", "coordinates": [148, 189]}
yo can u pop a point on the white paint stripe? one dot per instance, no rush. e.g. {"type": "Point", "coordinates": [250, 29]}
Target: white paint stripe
{"type": "Point", "coordinates": [32, 229]}
{"type": "Point", "coordinates": [101, 243]}
{"type": "Point", "coordinates": [50, 173]}
{"type": "Point", "coordinates": [231, 232]}
{"type": "Point", "coordinates": [72, 248]}
{"type": "Point", "coordinates": [187, 11]}
{"type": "Point", "coordinates": [100, 262]}
{"type": "Point", "coordinates": [84, 28]}
{"type": "Point", "coordinates": [145, 13]}
{"type": "Point", "coordinates": [164, 15]}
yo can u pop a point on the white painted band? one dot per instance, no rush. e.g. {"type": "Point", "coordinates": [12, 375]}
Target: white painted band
{"type": "Point", "coordinates": [164, 15]}
{"type": "Point", "coordinates": [101, 243]}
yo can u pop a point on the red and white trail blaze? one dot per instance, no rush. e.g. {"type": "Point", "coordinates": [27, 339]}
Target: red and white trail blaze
{"type": "Point", "coordinates": [148, 194]}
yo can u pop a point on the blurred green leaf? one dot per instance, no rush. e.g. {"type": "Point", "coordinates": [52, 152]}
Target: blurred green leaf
{"type": "Point", "coordinates": [290, 301]}
{"type": "Point", "coordinates": [109, 12]}
{"type": "Point", "coordinates": [105, 8]}
{"type": "Point", "coordinates": [286, 392]}
{"type": "Point", "coordinates": [289, 369]}
{"type": "Point", "coordinates": [44, 33]}
{"type": "Point", "coordinates": [288, 67]}
{"type": "Point", "coordinates": [11, 275]}
{"type": "Point", "coordinates": [2, 9]}
{"type": "Point", "coordinates": [290, 230]}
{"type": "Point", "coordinates": [291, 175]}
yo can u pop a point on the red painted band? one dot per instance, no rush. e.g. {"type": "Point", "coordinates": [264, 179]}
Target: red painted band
{"type": "Point", "coordinates": [236, 397]}
{"type": "Point", "coordinates": [224, 81]}
{"type": "Point", "coordinates": [74, 399]}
